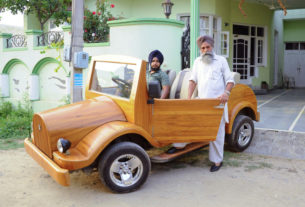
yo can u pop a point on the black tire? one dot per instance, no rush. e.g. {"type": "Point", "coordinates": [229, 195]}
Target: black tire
{"type": "Point", "coordinates": [242, 133]}
{"type": "Point", "coordinates": [115, 166]}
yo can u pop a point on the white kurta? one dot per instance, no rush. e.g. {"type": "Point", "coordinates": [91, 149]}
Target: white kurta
{"type": "Point", "coordinates": [212, 80]}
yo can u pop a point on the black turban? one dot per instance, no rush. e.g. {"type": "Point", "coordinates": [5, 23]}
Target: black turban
{"type": "Point", "coordinates": [157, 54]}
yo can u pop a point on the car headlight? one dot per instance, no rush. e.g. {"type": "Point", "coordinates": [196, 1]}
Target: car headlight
{"type": "Point", "coordinates": [63, 145]}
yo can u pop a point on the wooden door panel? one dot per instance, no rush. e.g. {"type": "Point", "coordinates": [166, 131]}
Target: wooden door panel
{"type": "Point", "coordinates": [186, 120]}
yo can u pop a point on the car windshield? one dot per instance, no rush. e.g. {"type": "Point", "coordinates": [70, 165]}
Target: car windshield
{"type": "Point", "coordinates": [113, 78]}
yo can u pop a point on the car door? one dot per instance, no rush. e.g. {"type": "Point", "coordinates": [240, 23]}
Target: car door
{"type": "Point", "coordinates": [178, 120]}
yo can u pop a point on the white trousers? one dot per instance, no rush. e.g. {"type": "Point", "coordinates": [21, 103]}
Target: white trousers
{"type": "Point", "coordinates": [216, 147]}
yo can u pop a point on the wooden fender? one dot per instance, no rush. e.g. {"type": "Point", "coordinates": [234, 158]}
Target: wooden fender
{"type": "Point", "coordinates": [241, 97]}
{"type": "Point", "coordinates": [90, 147]}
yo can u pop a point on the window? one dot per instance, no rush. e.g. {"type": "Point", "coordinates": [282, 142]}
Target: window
{"type": "Point", "coordinates": [295, 46]}
{"type": "Point", "coordinates": [224, 51]}
{"type": "Point", "coordinates": [240, 29]}
{"type": "Point", "coordinates": [260, 52]}
{"type": "Point", "coordinates": [204, 25]}
{"type": "Point", "coordinates": [52, 25]}
{"type": "Point", "coordinates": [208, 25]}
{"type": "Point", "coordinates": [292, 46]}
{"type": "Point", "coordinates": [260, 46]}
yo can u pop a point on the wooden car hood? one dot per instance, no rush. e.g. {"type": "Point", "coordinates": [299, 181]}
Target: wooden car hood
{"type": "Point", "coordinates": [73, 122]}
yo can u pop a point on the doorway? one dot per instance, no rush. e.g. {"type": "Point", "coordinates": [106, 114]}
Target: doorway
{"type": "Point", "coordinates": [294, 63]}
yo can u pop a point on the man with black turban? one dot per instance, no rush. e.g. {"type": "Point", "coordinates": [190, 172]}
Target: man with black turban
{"type": "Point", "coordinates": [155, 59]}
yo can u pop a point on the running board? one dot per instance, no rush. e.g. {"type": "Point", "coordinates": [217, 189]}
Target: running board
{"type": "Point", "coordinates": [165, 157]}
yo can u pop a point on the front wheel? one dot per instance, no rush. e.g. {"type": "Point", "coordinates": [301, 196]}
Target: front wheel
{"type": "Point", "coordinates": [124, 167]}
{"type": "Point", "coordinates": [242, 133]}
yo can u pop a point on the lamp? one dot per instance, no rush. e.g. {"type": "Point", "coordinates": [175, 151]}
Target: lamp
{"type": "Point", "coordinates": [167, 6]}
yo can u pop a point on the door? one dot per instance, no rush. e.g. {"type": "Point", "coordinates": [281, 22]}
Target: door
{"type": "Point", "coordinates": [176, 120]}
{"type": "Point", "coordinates": [300, 80]}
{"type": "Point", "coordinates": [241, 60]}
{"type": "Point", "coordinates": [294, 63]}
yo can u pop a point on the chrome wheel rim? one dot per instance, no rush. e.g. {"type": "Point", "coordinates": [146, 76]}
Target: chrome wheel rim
{"type": "Point", "coordinates": [244, 134]}
{"type": "Point", "coordinates": [126, 170]}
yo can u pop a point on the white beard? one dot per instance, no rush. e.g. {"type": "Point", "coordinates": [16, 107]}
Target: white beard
{"type": "Point", "coordinates": [207, 58]}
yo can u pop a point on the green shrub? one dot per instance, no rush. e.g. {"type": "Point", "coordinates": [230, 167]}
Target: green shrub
{"type": "Point", "coordinates": [15, 122]}
{"type": "Point", "coordinates": [15, 127]}
{"type": "Point", "coordinates": [6, 108]}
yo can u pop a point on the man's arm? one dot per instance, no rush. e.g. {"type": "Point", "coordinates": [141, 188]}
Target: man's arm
{"type": "Point", "coordinates": [192, 86]}
{"type": "Point", "coordinates": [165, 92]}
{"type": "Point", "coordinates": [225, 96]}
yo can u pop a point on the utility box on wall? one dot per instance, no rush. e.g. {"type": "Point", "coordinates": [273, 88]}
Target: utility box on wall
{"type": "Point", "coordinates": [81, 60]}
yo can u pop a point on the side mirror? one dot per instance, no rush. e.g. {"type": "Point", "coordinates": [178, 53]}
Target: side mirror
{"type": "Point", "coordinates": [154, 89]}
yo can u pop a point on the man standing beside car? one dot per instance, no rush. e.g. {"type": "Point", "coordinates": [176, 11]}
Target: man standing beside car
{"type": "Point", "coordinates": [155, 59]}
{"type": "Point", "coordinates": [212, 74]}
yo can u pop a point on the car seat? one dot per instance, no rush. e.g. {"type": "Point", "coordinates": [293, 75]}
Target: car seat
{"type": "Point", "coordinates": [179, 88]}
{"type": "Point", "coordinates": [171, 76]}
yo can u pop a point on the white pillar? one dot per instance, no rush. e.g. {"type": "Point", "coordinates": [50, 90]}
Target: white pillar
{"type": "Point", "coordinates": [32, 40]}
{"type": "Point", "coordinates": [4, 85]}
{"type": "Point", "coordinates": [68, 86]}
{"type": "Point", "coordinates": [34, 87]}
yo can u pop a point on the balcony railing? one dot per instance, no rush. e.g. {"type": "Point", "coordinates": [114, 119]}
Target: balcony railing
{"type": "Point", "coordinates": [16, 41]}
{"type": "Point", "coordinates": [48, 38]}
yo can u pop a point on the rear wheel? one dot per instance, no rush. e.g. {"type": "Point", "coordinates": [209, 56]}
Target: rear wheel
{"type": "Point", "coordinates": [242, 133]}
{"type": "Point", "coordinates": [124, 167]}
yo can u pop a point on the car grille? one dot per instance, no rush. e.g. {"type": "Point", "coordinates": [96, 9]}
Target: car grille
{"type": "Point", "coordinates": [42, 140]}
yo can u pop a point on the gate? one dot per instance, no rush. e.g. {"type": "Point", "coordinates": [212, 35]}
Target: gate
{"type": "Point", "coordinates": [185, 50]}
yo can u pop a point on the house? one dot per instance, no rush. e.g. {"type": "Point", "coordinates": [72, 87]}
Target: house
{"type": "Point", "coordinates": [265, 47]}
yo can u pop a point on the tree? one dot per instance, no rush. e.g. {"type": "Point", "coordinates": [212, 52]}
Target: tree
{"type": "Point", "coordinates": [43, 9]}
{"type": "Point", "coordinates": [1, 7]}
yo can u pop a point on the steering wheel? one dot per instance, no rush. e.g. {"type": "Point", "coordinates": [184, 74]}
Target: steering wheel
{"type": "Point", "coordinates": [121, 83]}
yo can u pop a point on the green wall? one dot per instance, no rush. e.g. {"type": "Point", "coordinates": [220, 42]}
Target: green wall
{"type": "Point", "coordinates": [221, 10]}
{"type": "Point", "coordinates": [294, 30]}
{"type": "Point", "coordinates": [31, 22]}
{"type": "Point", "coordinates": [153, 9]}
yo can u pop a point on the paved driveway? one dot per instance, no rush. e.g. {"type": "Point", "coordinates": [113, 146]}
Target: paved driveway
{"type": "Point", "coordinates": [282, 109]}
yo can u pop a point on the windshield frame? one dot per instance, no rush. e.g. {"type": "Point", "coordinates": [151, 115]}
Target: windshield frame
{"type": "Point", "coordinates": [113, 59]}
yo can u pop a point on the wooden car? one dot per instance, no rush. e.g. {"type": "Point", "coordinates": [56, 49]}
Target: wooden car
{"type": "Point", "coordinates": [118, 121]}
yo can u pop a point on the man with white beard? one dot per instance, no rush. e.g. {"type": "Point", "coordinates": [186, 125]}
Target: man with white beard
{"type": "Point", "coordinates": [212, 74]}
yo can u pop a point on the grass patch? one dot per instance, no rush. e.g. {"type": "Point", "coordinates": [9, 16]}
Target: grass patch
{"type": "Point", "coordinates": [200, 158]}
{"type": "Point", "coordinates": [12, 143]}
{"type": "Point", "coordinates": [257, 165]}
{"type": "Point", "coordinates": [15, 124]}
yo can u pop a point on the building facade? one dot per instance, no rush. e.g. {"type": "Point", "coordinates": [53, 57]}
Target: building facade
{"type": "Point", "coordinates": [260, 46]}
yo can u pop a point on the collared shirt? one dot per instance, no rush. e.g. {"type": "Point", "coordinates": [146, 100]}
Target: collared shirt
{"type": "Point", "coordinates": [159, 76]}
{"type": "Point", "coordinates": [211, 78]}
